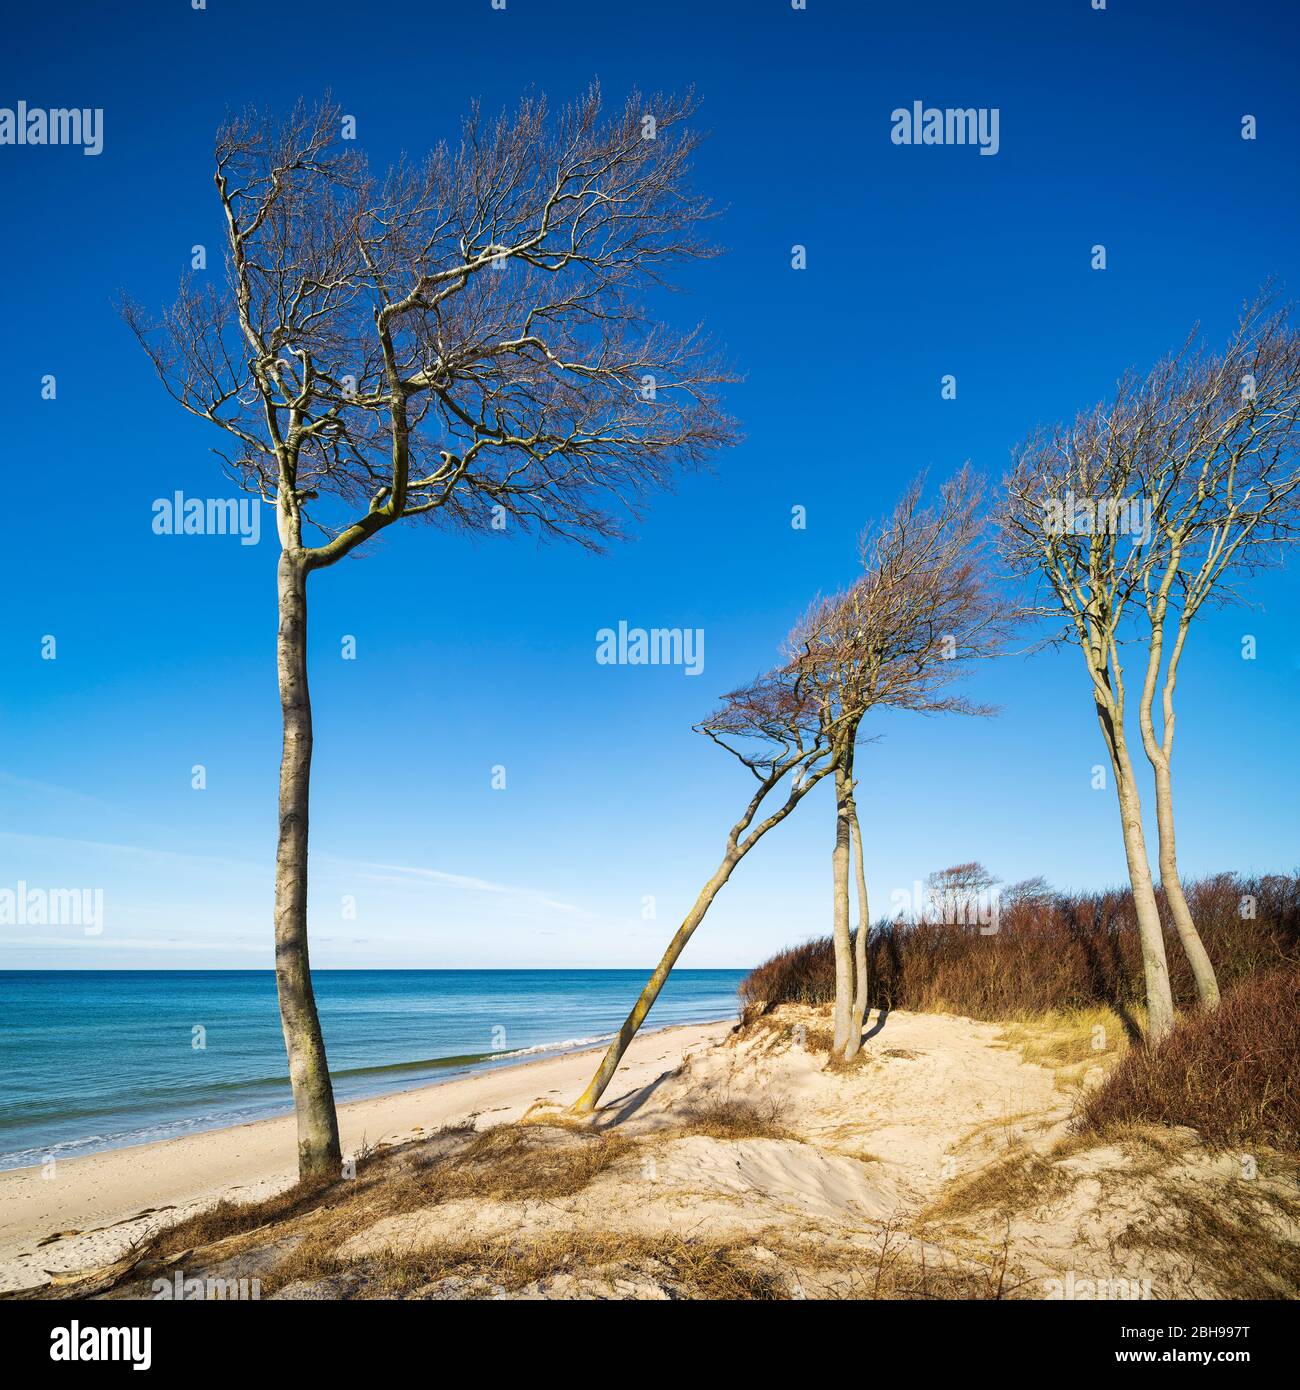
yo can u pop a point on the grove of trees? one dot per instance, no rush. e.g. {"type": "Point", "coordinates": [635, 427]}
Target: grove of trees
{"type": "Point", "coordinates": [1116, 530]}
{"type": "Point", "coordinates": [466, 341]}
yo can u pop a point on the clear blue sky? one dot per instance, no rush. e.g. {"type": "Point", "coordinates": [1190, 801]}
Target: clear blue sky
{"type": "Point", "coordinates": [1120, 127]}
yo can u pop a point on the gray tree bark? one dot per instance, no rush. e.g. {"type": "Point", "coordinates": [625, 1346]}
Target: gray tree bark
{"type": "Point", "coordinates": [609, 1063]}
{"type": "Point", "coordinates": [319, 1155]}
{"type": "Point", "coordinates": [1160, 755]}
{"type": "Point", "coordinates": [843, 1023]}
{"type": "Point", "coordinates": [1207, 985]}
{"type": "Point", "coordinates": [1160, 1004]}
{"type": "Point", "coordinates": [859, 941]}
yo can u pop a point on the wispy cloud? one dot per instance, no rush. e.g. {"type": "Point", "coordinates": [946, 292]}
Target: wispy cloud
{"type": "Point", "coordinates": [397, 875]}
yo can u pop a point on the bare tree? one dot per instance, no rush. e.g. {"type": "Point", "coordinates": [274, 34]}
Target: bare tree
{"type": "Point", "coordinates": [776, 732]}
{"type": "Point", "coordinates": [1060, 526]}
{"type": "Point", "coordinates": [1153, 505]}
{"type": "Point", "coordinates": [953, 894]}
{"type": "Point", "coordinates": [897, 638]}
{"type": "Point", "coordinates": [1217, 466]}
{"type": "Point", "coordinates": [464, 341]}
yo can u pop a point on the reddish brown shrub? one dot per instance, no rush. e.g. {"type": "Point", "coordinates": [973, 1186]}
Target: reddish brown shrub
{"type": "Point", "coordinates": [1228, 1073]}
{"type": "Point", "coordinates": [1059, 951]}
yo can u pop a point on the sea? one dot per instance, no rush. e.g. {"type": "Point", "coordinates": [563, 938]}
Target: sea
{"type": "Point", "coordinates": [99, 1059]}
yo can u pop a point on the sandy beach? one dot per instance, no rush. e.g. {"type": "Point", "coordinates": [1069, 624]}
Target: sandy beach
{"type": "Point", "coordinates": [723, 1162]}
{"type": "Point", "coordinates": [97, 1205]}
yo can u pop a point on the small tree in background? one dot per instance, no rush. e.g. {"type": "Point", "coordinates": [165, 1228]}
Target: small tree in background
{"type": "Point", "coordinates": [461, 341]}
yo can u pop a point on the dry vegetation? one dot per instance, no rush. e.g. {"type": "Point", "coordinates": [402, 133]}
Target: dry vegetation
{"type": "Point", "coordinates": [296, 1242]}
{"type": "Point", "coordinates": [949, 1159]}
{"type": "Point", "coordinates": [1052, 952]}
{"type": "Point", "coordinates": [1229, 1074]}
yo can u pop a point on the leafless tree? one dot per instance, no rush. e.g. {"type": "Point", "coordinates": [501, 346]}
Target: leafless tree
{"type": "Point", "coordinates": [1085, 574]}
{"type": "Point", "coordinates": [777, 733]}
{"type": "Point", "coordinates": [1217, 465]}
{"type": "Point", "coordinates": [464, 341]}
{"type": "Point", "coordinates": [1149, 507]}
{"type": "Point", "coordinates": [897, 638]}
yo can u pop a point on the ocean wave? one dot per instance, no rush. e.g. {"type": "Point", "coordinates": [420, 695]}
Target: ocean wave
{"type": "Point", "coordinates": [553, 1047]}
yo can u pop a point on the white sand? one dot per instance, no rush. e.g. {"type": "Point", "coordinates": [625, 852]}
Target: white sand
{"type": "Point", "coordinates": [107, 1200]}
{"type": "Point", "coordinates": [860, 1156]}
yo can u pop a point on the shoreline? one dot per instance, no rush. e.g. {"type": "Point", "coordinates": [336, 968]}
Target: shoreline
{"type": "Point", "coordinates": [91, 1207]}
{"type": "Point", "coordinates": [456, 1069]}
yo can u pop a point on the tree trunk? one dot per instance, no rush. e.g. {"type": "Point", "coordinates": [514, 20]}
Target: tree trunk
{"type": "Point", "coordinates": [319, 1155]}
{"type": "Point", "coordinates": [840, 913]}
{"type": "Point", "coordinates": [609, 1064]}
{"type": "Point", "coordinates": [1159, 753]}
{"type": "Point", "coordinates": [1160, 1004]}
{"type": "Point", "coordinates": [1207, 986]}
{"type": "Point", "coordinates": [860, 940]}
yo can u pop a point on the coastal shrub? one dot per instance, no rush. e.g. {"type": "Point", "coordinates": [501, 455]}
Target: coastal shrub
{"type": "Point", "coordinates": [1051, 951]}
{"type": "Point", "coordinates": [1228, 1073]}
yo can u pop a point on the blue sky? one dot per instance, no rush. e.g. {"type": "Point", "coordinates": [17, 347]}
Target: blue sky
{"type": "Point", "coordinates": [1120, 127]}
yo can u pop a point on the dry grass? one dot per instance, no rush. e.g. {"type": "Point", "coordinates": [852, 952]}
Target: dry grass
{"type": "Point", "coordinates": [1233, 1232]}
{"type": "Point", "coordinates": [1005, 1186]}
{"type": "Point", "coordinates": [781, 1030]}
{"type": "Point", "coordinates": [515, 1162]}
{"type": "Point", "coordinates": [1079, 1046]}
{"type": "Point", "coordinates": [688, 1268]}
{"type": "Point", "coordinates": [300, 1236]}
{"type": "Point", "coordinates": [508, 1161]}
{"type": "Point", "coordinates": [734, 1119]}
{"type": "Point", "coordinates": [604, 1264]}
{"type": "Point", "coordinates": [227, 1219]}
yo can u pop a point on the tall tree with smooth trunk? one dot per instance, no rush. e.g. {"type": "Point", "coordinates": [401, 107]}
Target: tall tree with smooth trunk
{"type": "Point", "coordinates": [465, 341]}
{"type": "Point", "coordinates": [1217, 469]}
{"type": "Point", "coordinates": [1155, 504]}
{"type": "Point", "coordinates": [1060, 530]}
{"type": "Point", "coordinates": [897, 638]}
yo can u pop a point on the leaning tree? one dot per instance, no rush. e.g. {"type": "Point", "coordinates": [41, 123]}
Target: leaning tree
{"type": "Point", "coordinates": [782, 735]}
{"type": "Point", "coordinates": [464, 340]}
{"type": "Point", "coordinates": [897, 638]}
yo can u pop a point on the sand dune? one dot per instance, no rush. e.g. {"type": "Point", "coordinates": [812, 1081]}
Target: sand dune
{"type": "Point", "coordinates": [104, 1201]}
{"type": "Point", "coordinates": [940, 1163]}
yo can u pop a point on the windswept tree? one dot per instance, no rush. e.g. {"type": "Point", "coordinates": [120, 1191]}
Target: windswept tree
{"type": "Point", "coordinates": [776, 732]}
{"type": "Point", "coordinates": [897, 638]}
{"type": "Point", "coordinates": [462, 341]}
{"type": "Point", "coordinates": [1217, 467]}
{"type": "Point", "coordinates": [958, 894]}
{"type": "Point", "coordinates": [1061, 529]}
{"type": "Point", "coordinates": [1150, 507]}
